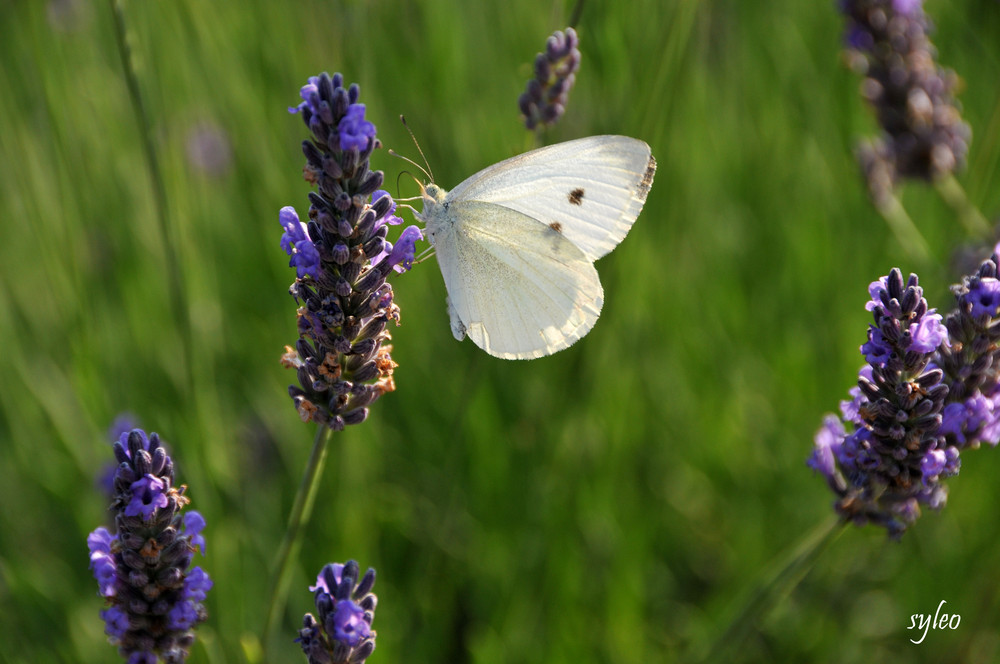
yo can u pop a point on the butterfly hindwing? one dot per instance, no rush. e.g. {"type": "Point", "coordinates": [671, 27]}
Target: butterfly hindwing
{"type": "Point", "coordinates": [517, 286]}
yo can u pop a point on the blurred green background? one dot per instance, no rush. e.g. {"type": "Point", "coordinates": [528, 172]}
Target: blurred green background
{"type": "Point", "coordinates": [606, 504]}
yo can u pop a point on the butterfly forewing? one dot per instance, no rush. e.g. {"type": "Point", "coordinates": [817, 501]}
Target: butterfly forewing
{"type": "Point", "coordinates": [592, 189]}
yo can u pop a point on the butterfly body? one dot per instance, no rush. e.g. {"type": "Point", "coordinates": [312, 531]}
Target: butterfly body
{"type": "Point", "coordinates": [516, 241]}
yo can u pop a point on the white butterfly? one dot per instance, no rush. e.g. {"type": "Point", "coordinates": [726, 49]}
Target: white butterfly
{"type": "Point", "coordinates": [516, 242]}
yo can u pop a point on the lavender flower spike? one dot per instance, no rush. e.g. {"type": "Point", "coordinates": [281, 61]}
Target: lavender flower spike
{"type": "Point", "coordinates": [892, 457]}
{"type": "Point", "coordinates": [346, 607]}
{"type": "Point", "coordinates": [545, 97]}
{"type": "Point", "coordinates": [923, 136]}
{"type": "Point", "coordinates": [153, 595]}
{"type": "Point", "coordinates": [342, 258]}
{"type": "Point", "coordinates": [971, 364]}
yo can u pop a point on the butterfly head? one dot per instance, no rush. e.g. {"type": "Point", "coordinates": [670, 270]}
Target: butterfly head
{"type": "Point", "coordinates": [433, 193]}
{"type": "Point", "coordinates": [433, 197]}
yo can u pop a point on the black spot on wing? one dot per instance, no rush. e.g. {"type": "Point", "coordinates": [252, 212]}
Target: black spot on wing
{"type": "Point", "coordinates": [556, 226]}
{"type": "Point", "coordinates": [576, 196]}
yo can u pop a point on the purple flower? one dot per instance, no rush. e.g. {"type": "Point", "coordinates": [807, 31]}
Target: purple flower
{"type": "Point", "coordinates": [147, 496]}
{"type": "Point", "coordinates": [296, 243]}
{"type": "Point", "coordinates": [875, 291]}
{"type": "Point", "coordinates": [829, 440]}
{"type": "Point", "coordinates": [342, 361]}
{"type": "Point", "coordinates": [102, 561]}
{"type": "Point", "coordinates": [329, 578]}
{"type": "Point", "coordinates": [928, 333]}
{"type": "Point", "coordinates": [197, 584]}
{"type": "Point", "coordinates": [876, 350]}
{"type": "Point", "coordinates": [153, 599]}
{"type": "Point", "coordinates": [931, 389]}
{"type": "Point", "coordinates": [984, 296]}
{"type": "Point", "coordinates": [310, 97]}
{"type": "Point", "coordinates": [895, 415]}
{"type": "Point", "coordinates": [183, 616]}
{"type": "Point", "coordinates": [953, 419]}
{"type": "Point", "coordinates": [400, 256]}
{"type": "Point", "coordinates": [143, 658]}
{"type": "Point", "coordinates": [851, 410]}
{"type": "Point", "coordinates": [354, 130]}
{"type": "Point", "coordinates": [348, 621]}
{"type": "Point", "coordinates": [972, 363]}
{"type": "Point", "coordinates": [545, 97]}
{"type": "Point", "coordinates": [907, 6]}
{"type": "Point", "coordinates": [194, 523]}
{"type": "Point", "coordinates": [923, 135]}
{"type": "Point", "coordinates": [345, 607]}
{"type": "Point", "coordinates": [115, 622]}
{"type": "Point", "coordinates": [209, 149]}
{"type": "Point", "coordinates": [122, 424]}
{"type": "Point", "coordinates": [390, 216]}
{"type": "Point", "coordinates": [932, 464]}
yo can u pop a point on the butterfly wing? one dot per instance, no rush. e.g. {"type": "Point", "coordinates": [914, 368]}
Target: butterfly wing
{"type": "Point", "coordinates": [517, 287]}
{"type": "Point", "coordinates": [593, 188]}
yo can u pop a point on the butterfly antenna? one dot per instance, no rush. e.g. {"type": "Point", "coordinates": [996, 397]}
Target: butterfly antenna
{"type": "Point", "coordinates": [407, 159]}
{"type": "Point", "coordinates": [428, 171]}
{"type": "Point", "coordinates": [401, 174]}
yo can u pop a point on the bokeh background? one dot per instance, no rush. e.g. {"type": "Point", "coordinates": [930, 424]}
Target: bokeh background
{"type": "Point", "coordinates": [611, 503]}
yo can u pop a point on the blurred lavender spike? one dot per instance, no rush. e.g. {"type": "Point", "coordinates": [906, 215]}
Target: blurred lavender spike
{"type": "Point", "coordinates": [544, 100]}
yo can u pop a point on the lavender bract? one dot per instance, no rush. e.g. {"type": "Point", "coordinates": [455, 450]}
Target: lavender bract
{"type": "Point", "coordinates": [154, 597]}
{"type": "Point", "coordinates": [346, 606]}
{"type": "Point", "coordinates": [545, 97]}
{"type": "Point", "coordinates": [924, 136]}
{"type": "Point", "coordinates": [342, 260]}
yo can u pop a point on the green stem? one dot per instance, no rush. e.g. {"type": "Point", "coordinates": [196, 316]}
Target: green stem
{"type": "Point", "coordinates": [574, 17]}
{"type": "Point", "coordinates": [292, 542]}
{"type": "Point", "coordinates": [903, 228]}
{"type": "Point", "coordinates": [968, 214]}
{"type": "Point", "coordinates": [175, 277]}
{"type": "Point", "coordinates": [777, 582]}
